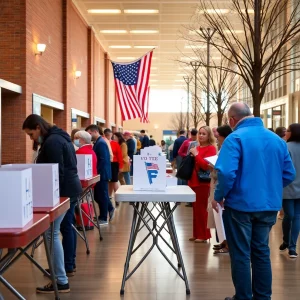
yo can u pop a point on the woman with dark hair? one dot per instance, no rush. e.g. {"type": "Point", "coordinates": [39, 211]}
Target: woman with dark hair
{"type": "Point", "coordinates": [223, 132]}
{"type": "Point", "coordinates": [73, 132]}
{"type": "Point", "coordinates": [56, 147]}
{"type": "Point", "coordinates": [291, 196]}
{"type": "Point", "coordinates": [124, 175]}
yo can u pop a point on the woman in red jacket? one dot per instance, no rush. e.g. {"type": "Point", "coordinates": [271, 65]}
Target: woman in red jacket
{"type": "Point", "coordinates": [83, 141]}
{"type": "Point", "coordinates": [207, 148]}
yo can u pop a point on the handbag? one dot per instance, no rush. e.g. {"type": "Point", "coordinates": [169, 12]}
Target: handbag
{"type": "Point", "coordinates": [186, 168]}
{"type": "Point", "coordinates": [203, 176]}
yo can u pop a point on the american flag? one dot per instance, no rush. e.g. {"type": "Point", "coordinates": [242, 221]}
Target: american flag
{"type": "Point", "coordinates": [151, 166]}
{"type": "Point", "coordinates": [132, 83]}
{"type": "Point", "coordinates": [145, 118]}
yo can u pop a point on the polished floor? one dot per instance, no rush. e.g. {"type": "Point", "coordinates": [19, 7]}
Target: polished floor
{"type": "Point", "coordinates": [99, 274]}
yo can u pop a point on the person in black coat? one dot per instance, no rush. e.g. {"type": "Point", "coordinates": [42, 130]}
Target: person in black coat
{"type": "Point", "coordinates": [152, 141]}
{"type": "Point", "coordinates": [56, 147]}
{"type": "Point", "coordinates": [144, 139]}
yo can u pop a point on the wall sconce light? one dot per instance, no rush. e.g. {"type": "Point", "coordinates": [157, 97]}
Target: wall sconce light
{"type": "Point", "coordinates": [77, 74]}
{"type": "Point", "coordinates": [40, 49]}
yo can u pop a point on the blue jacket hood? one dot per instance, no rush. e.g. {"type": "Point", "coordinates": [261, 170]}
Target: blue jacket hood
{"type": "Point", "coordinates": [253, 167]}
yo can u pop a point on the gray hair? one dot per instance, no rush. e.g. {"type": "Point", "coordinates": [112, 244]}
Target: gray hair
{"type": "Point", "coordinates": [240, 110]}
{"type": "Point", "coordinates": [84, 135]}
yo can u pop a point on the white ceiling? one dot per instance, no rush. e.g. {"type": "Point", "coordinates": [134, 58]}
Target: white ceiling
{"type": "Point", "coordinates": [170, 22]}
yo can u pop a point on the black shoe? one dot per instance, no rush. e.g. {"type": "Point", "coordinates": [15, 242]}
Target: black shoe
{"type": "Point", "coordinates": [229, 298]}
{"type": "Point", "coordinates": [283, 246]}
{"type": "Point", "coordinates": [49, 289]}
{"type": "Point", "coordinates": [117, 203]}
{"type": "Point", "coordinates": [293, 254]}
{"type": "Point", "coordinates": [189, 205]}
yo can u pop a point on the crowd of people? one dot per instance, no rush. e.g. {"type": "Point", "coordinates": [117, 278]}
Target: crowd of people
{"type": "Point", "coordinates": [256, 175]}
{"type": "Point", "coordinates": [112, 157]}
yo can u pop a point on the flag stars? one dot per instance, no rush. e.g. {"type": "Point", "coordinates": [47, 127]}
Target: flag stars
{"type": "Point", "coordinates": [127, 74]}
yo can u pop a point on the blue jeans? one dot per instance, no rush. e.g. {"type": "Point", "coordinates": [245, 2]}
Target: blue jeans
{"type": "Point", "coordinates": [248, 241]}
{"type": "Point", "coordinates": [291, 222]}
{"type": "Point", "coordinates": [127, 177]}
{"type": "Point", "coordinates": [102, 198]}
{"type": "Point", "coordinates": [58, 252]}
{"type": "Point", "coordinates": [69, 235]}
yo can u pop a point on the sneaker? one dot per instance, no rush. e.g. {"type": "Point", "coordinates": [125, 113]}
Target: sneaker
{"type": "Point", "coordinates": [102, 222]}
{"type": "Point", "coordinates": [283, 246]}
{"type": "Point", "coordinates": [293, 254]}
{"type": "Point", "coordinates": [111, 214]}
{"type": "Point", "coordinates": [49, 289]}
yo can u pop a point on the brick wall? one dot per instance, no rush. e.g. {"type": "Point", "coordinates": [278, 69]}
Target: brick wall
{"type": "Point", "coordinates": [77, 59]}
{"type": "Point", "coordinates": [70, 45]}
{"type": "Point", "coordinates": [44, 26]}
{"type": "Point", "coordinates": [13, 69]}
{"type": "Point", "coordinates": [99, 80]}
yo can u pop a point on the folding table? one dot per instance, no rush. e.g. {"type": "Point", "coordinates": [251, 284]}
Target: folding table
{"type": "Point", "coordinates": [54, 213]}
{"type": "Point", "coordinates": [20, 240]}
{"type": "Point", "coordinates": [87, 186]}
{"type": "Point", "coordinates": [144, 204]}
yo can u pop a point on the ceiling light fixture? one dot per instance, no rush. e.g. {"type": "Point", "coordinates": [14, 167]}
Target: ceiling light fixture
{"type": "Point", "coordinates": [144, 31]}
{"type": "Point", "coordinates": [144, 47]}
{"type": "Point", "coordinates": [141, 11]}
{"type": "Point", "coordinates": [250, 11]}
{"type": "Point", "coordinates": [104, 11]}
{"type": "Point", "coordinates": [113, 31]}
{"type": "Point", "coordinates": [215, 11]}
{"type": "Point", "coordinates": [120, 47]}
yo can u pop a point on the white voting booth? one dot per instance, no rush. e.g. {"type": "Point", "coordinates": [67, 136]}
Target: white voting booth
{"type": "Point", "coordinates": [84, 166]}
{"type": "Point", "coordinates": [16, 193]}
{"type": "Point", "coordinates": [45, 180]}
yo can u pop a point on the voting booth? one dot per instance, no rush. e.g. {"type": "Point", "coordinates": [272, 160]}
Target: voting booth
{"type": "Point", "coordinates": [45, 180]}
{"type": "Point", "coordinates": [84, 166]}
{"type": "Point", "coordinates": [16, 189]}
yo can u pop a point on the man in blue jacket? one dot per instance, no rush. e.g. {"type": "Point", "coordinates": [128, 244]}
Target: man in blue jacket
{"type": "Point", "coordinates": [177, 144]}
{"type": "Point", "coordinates": [253, 167]}
{"type": "Point", "coordinates": [104, 169]}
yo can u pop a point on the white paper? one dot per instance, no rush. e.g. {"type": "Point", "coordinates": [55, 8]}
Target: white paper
{"type": "Point", "coordinates": [212, 159]}
{"type": "Point", "coordinates": [149, 173]}
{"type": "Point", "coordinates": [219, 224]}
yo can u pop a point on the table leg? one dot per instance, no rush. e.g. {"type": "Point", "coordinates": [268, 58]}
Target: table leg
{"type": "Point", "coordinates": [95, 215]}
{"type": "Point", "coordinates": [83, 228]}
{"type": "Point", "coordinates": [130, 246]}
{"type": "Point", "coordinates": [50, 264]}
{"type": "Point", "coordinates": [172, 234]}
{"type": "Point", "coordinates": [34, 246]}
{"type": "Point", "coordinates": [188, 291]}
{"type": "Point", "coordinates": [11, 288]}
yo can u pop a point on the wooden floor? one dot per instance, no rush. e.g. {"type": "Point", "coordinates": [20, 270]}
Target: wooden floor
{"type": "Point", "coordinates": [99, 274]}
